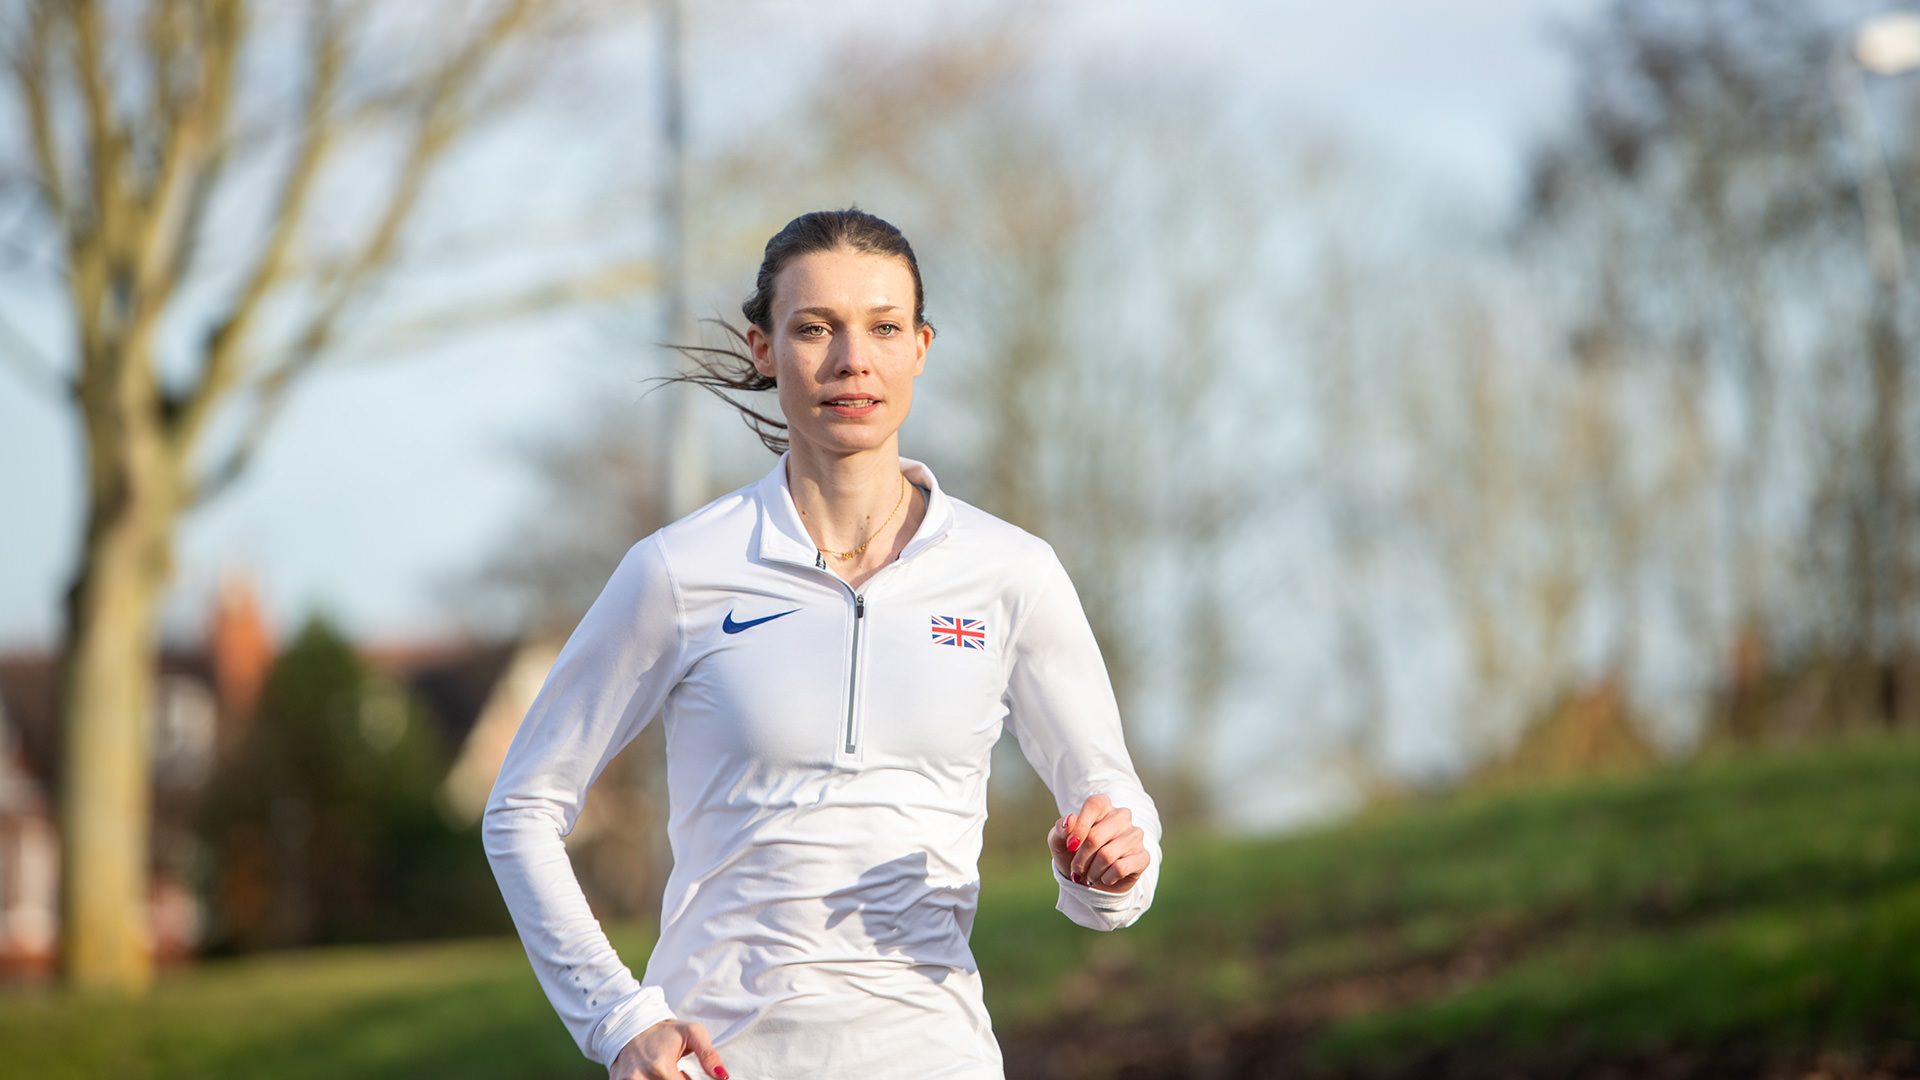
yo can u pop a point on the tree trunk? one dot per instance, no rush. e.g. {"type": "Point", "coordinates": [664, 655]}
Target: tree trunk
{"type": "Point", "coordinates": [104, 794]}
{"type": "Point", "coordinates": [110, 666]}
{"type": "Point", "coordinates": [1888, 630]}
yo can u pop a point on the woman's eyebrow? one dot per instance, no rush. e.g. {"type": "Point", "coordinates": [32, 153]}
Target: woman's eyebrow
{"type": "Point", "coordinates": [828, 313]}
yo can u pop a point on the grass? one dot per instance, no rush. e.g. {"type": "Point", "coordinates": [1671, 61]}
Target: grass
{"type": "Point", "coordinates": [1772, 896]}
{"type": "Point", "coordinates": [469, 1009]}
{"type": "Point", "coordinates": [1795, 976]}
{"type": "Point", "coordinates": [1774, 900]}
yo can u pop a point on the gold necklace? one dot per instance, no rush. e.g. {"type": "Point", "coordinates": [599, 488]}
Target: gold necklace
{"type": "Point", "coordinates": [897, 504]}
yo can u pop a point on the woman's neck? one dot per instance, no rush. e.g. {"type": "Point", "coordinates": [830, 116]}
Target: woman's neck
{"type": "Point", "coordinates": [857, 508]}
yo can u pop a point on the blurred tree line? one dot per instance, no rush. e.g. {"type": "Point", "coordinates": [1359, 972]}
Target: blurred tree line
{"type": "Point", "coordinates": [1630, 465]}
{"type": "Point", "coordinates": [1636, 455]}
{"type": "Point", "coordinates": [1652, 445]}
{"type": "Point", "coordinates": [1020, 214]}
{"type": "Point", "coordinates": [323, 825]}
{"type": "Point", "coordinates": [1344, 474]}
{"type": "Point", "coordinates": [1712, 221]}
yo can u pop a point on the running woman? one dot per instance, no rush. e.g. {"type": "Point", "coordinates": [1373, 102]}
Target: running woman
{"type": "Point", "coordinates": [834, 650]}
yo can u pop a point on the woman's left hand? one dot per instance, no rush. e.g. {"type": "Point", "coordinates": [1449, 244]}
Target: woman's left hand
{"type": "Point", "coordinates": [1100, 846]}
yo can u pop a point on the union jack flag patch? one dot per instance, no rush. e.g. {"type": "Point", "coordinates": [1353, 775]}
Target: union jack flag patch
{"type": "Point", "coordinates": [965, 633]}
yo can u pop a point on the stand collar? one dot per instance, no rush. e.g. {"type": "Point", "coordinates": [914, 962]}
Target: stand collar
{"type": "Point", "coordinates": [783, 538]}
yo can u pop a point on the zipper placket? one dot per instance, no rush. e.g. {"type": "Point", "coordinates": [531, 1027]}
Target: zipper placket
{"type": "Point", "coordinates": [851, 743]}
{"type": "Point", "coordinates": [850, 739]}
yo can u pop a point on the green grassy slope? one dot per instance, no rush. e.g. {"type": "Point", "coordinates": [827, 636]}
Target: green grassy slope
{"type": "Point", "coordinates": [466, 1009]}
{"type": "Point", "coordinates": [1769, 900]}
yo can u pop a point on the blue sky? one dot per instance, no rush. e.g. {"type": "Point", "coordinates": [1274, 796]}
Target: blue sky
{"type": "Point", "coordinates": [385, 482]}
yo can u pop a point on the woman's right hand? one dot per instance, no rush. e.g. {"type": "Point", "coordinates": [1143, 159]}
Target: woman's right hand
{"type": "Point", "coordinates": [655, 1053]}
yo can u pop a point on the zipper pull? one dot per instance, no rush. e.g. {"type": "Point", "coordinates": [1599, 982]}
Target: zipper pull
{"type": "Point", "coordinates": [859, 607]}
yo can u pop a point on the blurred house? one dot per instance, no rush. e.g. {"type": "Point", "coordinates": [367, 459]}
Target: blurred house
{"type": "Point", "coordinates": [617, 844]}
{"type": "Point", "coordinates": [457, 682]}
{"type": "Point", "coordinates": [463, 795]}
{"type": "Point", "coordinates": [205, 701]}
{"type": "Point", "coordinates": [29, 862]}
{"type": "Point", "coordinates": [202, 703]}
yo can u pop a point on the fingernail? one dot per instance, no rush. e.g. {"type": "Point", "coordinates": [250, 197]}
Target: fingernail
{"type": "Point", "coordinates": [1077, 879]}
{"type": "Point", "coordinates": [720, 1071]}
{"type": "Point", "coordinates": [1073, 843]}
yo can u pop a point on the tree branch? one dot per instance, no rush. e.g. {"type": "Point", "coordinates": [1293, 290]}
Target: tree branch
{"type": "Point", "coordinates": [598, 285]}
{"type": "Point", "coordinates": [442, 119]}
{"type": "Point", "coordinates": [224, 23]}
{"type": "Point", "coordinates": [35, 79]}
{"type": "Point", "coordinates": [270, 392]}
{"type": "Point", "coordinates": [193, 124]}
{"type": "Point", "coordinates": [161, 34]}
{"type": "Point", "coordinates": [226, 341]}
{"type": "Point", "coordinates": [219, 478]}
{"type": "Point", "coordinates": [106, 140]}
{"type": "Point", "coordinates": [183, 121]}
{"type": "Point", "coordinates": [221, 33]}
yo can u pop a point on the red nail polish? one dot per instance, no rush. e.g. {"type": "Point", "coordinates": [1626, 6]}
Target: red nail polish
{"type": "Point", "coordinates": [1078, 880]}
{"type": "Point", "coordinates": [1073, 843]}
{"type": "Point", "coordinates": [720, 1071]}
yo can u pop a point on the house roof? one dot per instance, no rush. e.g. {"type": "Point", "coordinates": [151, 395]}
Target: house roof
{"type": "Point", "coordinates": [452, 680]}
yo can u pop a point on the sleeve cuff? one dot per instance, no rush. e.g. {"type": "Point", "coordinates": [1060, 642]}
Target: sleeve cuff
{"type": "Point", "coordinates": [1096, 898]}
{"type": "Point", "coordinates": [645, 1009]}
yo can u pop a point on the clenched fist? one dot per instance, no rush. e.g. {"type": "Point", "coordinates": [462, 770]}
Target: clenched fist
{"type": "Point", "coordinates": [1100, 846]}
{"type": "Point", "coordinates": [655, 1053]}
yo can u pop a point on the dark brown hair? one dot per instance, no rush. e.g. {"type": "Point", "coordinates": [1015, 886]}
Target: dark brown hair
{"type": "Point", "coordinates": [728, 370]}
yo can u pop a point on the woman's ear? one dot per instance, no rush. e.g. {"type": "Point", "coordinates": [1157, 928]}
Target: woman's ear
{"type": "Point", "coordinates": [923, 339]}
{"type": "Point", "coordinates": [760, 348]}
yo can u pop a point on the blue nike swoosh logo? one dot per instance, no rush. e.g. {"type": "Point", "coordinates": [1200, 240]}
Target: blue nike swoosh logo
{"type": "Point", "coordinates": [732, 627]}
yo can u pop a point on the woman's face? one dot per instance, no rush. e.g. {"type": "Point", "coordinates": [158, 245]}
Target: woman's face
{"type": "Point", "coordinates": [843, 348]}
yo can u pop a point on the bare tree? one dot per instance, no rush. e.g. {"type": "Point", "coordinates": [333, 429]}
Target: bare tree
{"type": "Point", "coordinates": [1092, 251]}
{"type": "Point", "coordinates": [1707, 207]}
{"type": "Point", "coordinates": [150, 126]}
{"type": "Point", "coordinates": [1668, 418]}
{"type": "Point", "coordinates": [1088, 383]}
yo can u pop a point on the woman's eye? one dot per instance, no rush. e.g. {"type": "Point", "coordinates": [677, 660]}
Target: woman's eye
{"type": "Point", "coordinates": [813, 330]}
{"type": "Point", "coordinates": [886, 329]}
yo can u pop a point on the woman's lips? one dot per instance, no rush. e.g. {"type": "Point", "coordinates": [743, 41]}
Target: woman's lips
{"type": "Point", "coordinates": [851, 406]}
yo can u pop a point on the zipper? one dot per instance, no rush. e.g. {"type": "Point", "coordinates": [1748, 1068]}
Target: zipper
{"type": "Point", "coordinates": [853, 670]}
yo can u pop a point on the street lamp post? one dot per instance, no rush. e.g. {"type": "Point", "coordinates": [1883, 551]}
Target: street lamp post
{"type": "Point", "coordinates": [1886, 45]}
{"type": "Point", "coordinates": [686, 451]}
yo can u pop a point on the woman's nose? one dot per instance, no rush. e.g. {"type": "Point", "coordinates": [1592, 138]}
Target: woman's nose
{"type": "Point", "coordinates": [853, 355]}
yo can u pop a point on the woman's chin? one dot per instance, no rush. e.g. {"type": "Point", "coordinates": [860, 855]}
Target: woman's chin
{"type": "Point", "coordinates": [842, 440]}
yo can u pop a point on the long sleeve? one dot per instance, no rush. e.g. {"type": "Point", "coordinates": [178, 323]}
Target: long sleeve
{"type": "Point", "coordinates": [610, 679]}
{"type": "Point", "coordinates": [1062, 711]}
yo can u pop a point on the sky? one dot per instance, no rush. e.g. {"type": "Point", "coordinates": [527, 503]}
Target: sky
{"type": "Point", "coordinates": [386, 485]}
